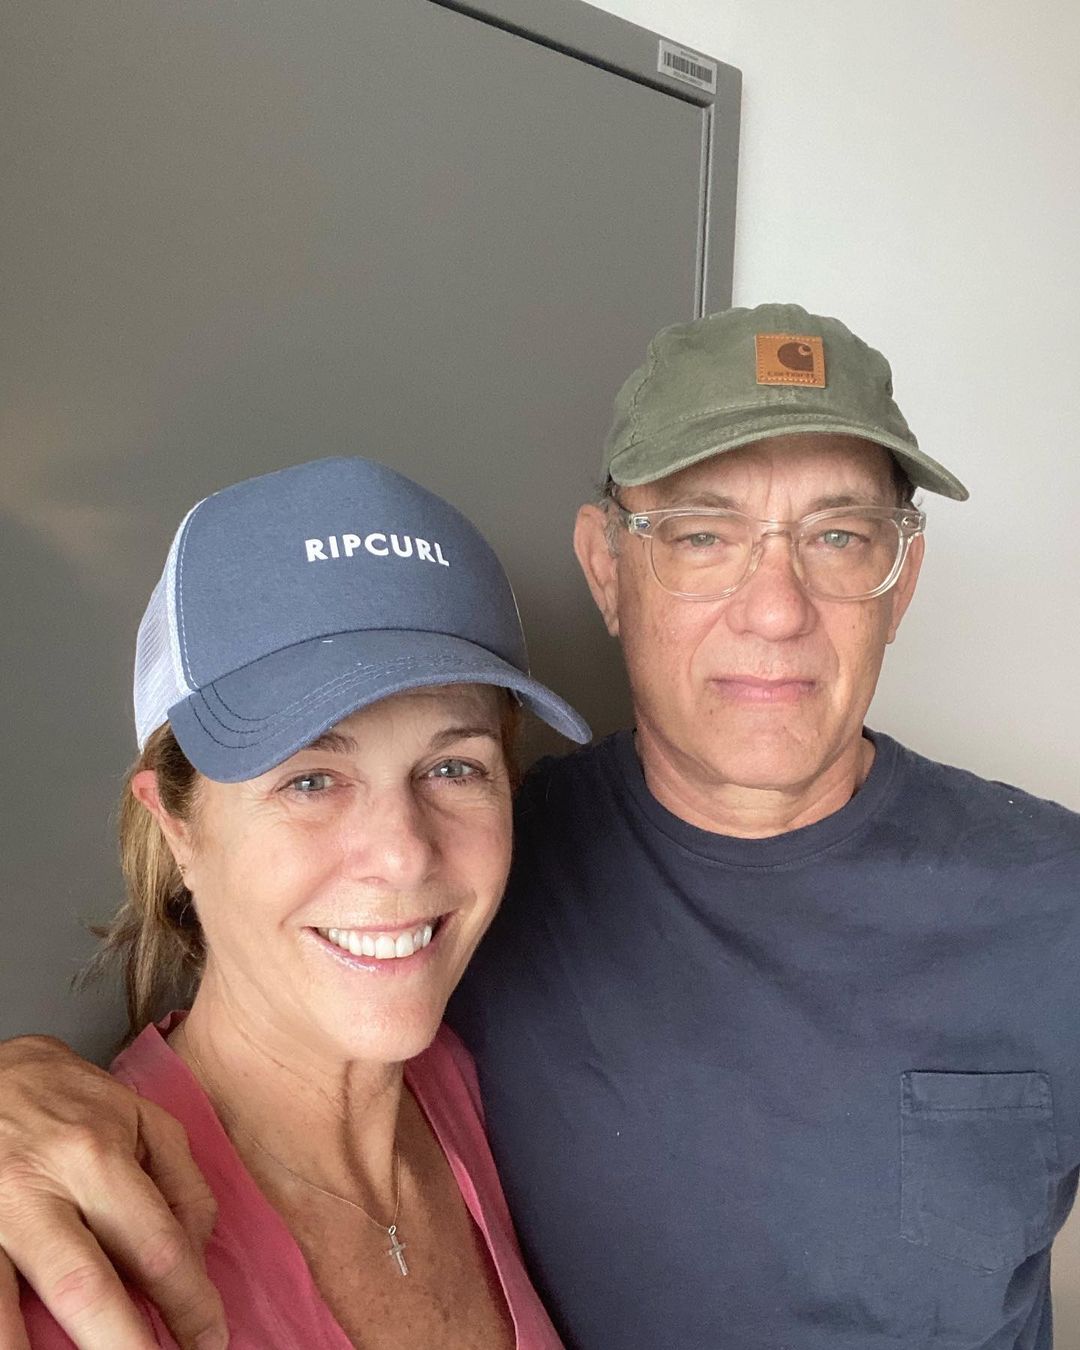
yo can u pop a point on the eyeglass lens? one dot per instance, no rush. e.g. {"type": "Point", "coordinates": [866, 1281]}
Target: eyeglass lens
{"type": "Point", "coordinates": [844, 556]}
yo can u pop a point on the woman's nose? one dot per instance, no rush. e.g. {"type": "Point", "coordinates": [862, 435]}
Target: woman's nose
{"type": "Point", "coordinates": [391, 840]}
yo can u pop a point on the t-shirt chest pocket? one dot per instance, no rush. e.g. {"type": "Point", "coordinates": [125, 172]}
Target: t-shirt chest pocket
{"type": "Point", "coordinates": [978, 1157]}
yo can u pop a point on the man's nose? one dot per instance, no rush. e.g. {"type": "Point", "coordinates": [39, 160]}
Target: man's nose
{"type": "Point", "coordinates": [390, 839]}
{"type": "Point", "coordinates": [772, 603]}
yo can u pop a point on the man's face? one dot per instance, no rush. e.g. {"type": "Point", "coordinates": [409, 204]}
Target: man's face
{"type": "Point", "coordinates": [768, 687]}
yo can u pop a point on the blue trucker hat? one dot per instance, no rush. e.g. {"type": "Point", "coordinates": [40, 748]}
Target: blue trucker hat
{"type": "Point", "coordinates": [290, 600]}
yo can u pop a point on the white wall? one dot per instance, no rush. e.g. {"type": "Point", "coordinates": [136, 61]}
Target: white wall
{"type": "Point", "coordinates": [915, 170]}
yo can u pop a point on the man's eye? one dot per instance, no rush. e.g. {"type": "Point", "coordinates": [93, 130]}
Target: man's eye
{"type": "Point", "coordinates": [309, 784]}
{"type": "Point", "coordinates": [836, 538]}
{"type": "Point", "coordinates": [698, 540]}
{"type": "Point", "coordinates": [454, 771]}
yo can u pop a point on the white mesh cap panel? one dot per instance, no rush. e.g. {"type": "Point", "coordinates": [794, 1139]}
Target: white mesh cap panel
{"type": "Point", "coordinates": [159, 673]}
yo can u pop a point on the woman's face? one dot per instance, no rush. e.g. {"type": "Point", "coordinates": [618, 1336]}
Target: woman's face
{"type": "Point", "coordinates": [342, 893]}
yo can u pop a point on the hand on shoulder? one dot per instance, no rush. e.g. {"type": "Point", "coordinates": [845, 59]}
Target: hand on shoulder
{"type": "Point", "coordinates": [95, 1181]}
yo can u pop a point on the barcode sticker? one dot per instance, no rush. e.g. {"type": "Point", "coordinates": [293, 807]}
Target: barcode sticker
{"type": "Point", "coordinates": [690, 67]}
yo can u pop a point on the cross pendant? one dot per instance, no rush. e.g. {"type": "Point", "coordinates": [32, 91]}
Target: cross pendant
{"type": "Point", "coordinates": [396, 1249]}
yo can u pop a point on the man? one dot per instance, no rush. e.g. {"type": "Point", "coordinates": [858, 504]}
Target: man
{"type": "Point", "coordinates": [776, 1028]}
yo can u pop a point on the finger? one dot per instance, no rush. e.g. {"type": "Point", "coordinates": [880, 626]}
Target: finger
{"type": "Point", "coordinates": [75, 1280]}
{"type": "Point", "coordinates": [167, 1158]}
{"type": "Point", "coordinates": [12, 1332]}
{"type": "Point", "coordinates": [139, 1231]}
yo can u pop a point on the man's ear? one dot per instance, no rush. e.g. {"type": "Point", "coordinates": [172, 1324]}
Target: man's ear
{"type": "Point", "coordinates": [144, 788]}
{"type": "Point", "coordinates": [598, 562]}
{"type": "Point", "coordinates": [901, 593]}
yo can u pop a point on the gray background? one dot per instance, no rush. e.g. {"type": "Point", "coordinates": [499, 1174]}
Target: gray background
{"type": "Point", "coordinates": [235, 237]}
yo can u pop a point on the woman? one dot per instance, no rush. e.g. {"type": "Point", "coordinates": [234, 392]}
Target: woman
{"type": "Point", "coordinates": [317, 831]}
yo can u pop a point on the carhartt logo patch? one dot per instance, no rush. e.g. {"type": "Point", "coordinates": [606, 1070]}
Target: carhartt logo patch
{"type": "Point", "coordinates": [788, 358]}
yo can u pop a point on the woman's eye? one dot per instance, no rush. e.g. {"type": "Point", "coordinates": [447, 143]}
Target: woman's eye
{"type": "Point", "coordinates": [454, 771]}
{"type": "Point", "coordinates": [309, 784]}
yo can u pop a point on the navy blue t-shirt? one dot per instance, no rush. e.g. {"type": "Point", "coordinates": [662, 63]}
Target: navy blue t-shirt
{"type": "Point", "coordinates": [813, 1092]}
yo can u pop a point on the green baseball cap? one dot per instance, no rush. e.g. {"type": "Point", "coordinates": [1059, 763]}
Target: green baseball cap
{"type": "Point", "coordinates": [744, 375]}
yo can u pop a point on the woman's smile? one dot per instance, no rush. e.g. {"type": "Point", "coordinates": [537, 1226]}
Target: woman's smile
{"type": "Point", "coordinates": [383, 944]}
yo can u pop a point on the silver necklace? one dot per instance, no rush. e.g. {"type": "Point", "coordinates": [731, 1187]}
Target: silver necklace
{"type": "Point", "coordinates": [396, 1248]}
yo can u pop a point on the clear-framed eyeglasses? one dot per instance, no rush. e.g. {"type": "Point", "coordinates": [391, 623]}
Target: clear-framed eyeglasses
{"type": "Point", "coordinates": [843, 553]}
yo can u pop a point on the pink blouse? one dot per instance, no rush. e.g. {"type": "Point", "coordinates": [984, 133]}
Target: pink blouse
{"type": "Point", "coordinates": [271, 1301]}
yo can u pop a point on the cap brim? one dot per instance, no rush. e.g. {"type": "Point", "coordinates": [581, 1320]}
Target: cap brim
{"type": "Point", "coordinates": [647, 462]}
{"type": "Point", "coordinates": [246, 722]}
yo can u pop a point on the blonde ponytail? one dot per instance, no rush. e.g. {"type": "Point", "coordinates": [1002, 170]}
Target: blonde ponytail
{"type": "Point", "coordinates": [155, 935]}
